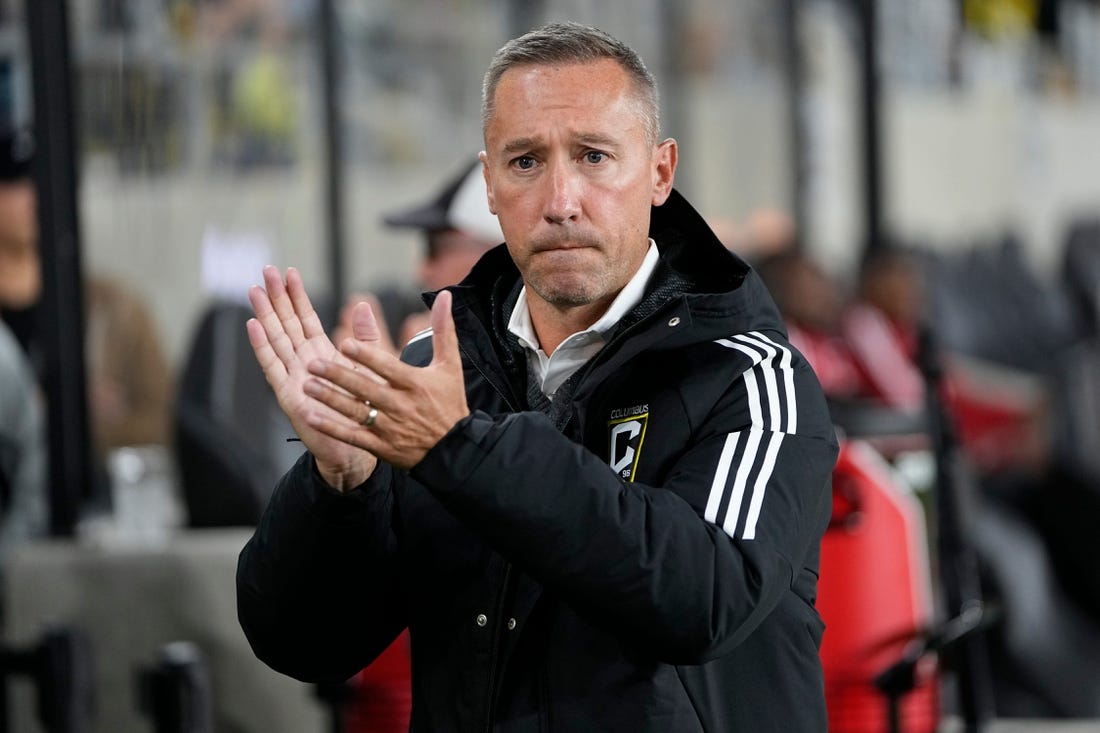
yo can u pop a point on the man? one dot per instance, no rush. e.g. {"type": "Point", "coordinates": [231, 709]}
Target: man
{"type": "Point", "coordinates": [596, 495]}
{"type": "Point", "coordinates": [129, 382]}
{"type": "Point", "coordinates": [23, 488]}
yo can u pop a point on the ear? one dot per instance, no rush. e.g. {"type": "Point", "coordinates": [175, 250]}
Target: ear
{"type": "Point", "coordinates": [664, 170]}
{"type": "Point", "coordinates": [484, 158]}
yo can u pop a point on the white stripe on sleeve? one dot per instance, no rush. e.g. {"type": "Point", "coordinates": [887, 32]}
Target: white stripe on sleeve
{"type": "Point", "coordinates": [761, 485]}
{"type": "Point", "coordinates": [767, 356]}
{"type": "Point", "coordinates": [788, 383]}
{"type": "Point", "coordinates": [752, 447]}
{"type": "Point", "coordinates": [767, 367]}
{"type": "Point", "coordinates": [721, 475]}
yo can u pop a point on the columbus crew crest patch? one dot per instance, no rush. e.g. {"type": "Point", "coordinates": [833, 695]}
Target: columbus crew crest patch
{"type": "Point", "coordinates": [626, 433]}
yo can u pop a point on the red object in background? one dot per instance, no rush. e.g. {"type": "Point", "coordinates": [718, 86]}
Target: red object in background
{"type": "Point", "coordinates": [874, 595]}
{"type": "Point", "coordinates": [999, 415]}
{"type": "Point", "coordinates": [381, 700]}
{"type": "Point", "coordinates": [997, 410]}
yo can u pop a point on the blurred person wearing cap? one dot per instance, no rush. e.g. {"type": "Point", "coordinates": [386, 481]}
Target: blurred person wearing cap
{"type": "Point", "coordinates": [457, 229]}
{"type": "Point", "coordinates": [595, 491]}
{"type": "Point", "coordinates": [23, 452]}
{"type": "Point", "coordinates": [457, 225]}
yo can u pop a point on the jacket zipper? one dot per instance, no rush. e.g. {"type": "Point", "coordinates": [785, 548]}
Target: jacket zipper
{"type": "Point", "coordinates": [498, 621]}
{"type": "Point", "coordinates": [498, 616]}
{"type": "Point", "coordinates": [488, 378]}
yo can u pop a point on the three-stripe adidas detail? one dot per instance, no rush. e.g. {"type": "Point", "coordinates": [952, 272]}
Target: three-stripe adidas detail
{"type": "Point", "coordinates": [748, 457]}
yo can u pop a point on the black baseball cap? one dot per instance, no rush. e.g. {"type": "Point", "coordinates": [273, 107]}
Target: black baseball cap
{"type": "Point", "coordinates": [461, 204]}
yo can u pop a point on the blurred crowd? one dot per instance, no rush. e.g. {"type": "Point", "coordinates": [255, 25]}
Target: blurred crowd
{"type": "Point", "coordinates": [1014, 363]}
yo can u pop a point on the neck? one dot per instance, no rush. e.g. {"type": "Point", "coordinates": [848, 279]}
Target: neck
{"type": "Point", "coordinates": [553, 324]}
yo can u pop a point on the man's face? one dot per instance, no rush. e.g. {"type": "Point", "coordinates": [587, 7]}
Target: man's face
{"type": "Point", "coordinates": [571, 177]}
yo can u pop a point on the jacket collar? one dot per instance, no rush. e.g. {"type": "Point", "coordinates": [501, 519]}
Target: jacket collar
{"type": "Point", "coordinates": [715, 289]}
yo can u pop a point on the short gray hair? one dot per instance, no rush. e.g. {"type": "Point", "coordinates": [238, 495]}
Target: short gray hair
{"type": "Point", "coordinates": [572, 43]}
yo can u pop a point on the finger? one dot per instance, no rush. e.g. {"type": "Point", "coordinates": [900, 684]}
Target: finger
{"type": "Point", "coordinates": [303, 307]}
{"type": "Point", "coordinates": [359, 385]}
{"type": "Point", "coordinates": [261, 304]}
{"type": "Point", "coordinates": [387, 366]}
{"type": "Point", "coordinates": [343, 325]}
{"type": "Point", "coordinates": [444, 337]}
{"type": "Point", "coordinates": [272, 365]}
{"type": "Point", "coordinates": [367, 326]}
{"type": "Point", "coordinates": [385, 338]}
{"type": "Point", "coordinates": [364, 325]}
{"type": "Point", "coordinates": [272, 326]}
{"type": "Point", "coordinates": [347, 432]}
{"type": "Point", "coordinates": [353, 408]}
{"type": "Point", "coordinates": [346, 311]}
{"type": "Point", "coordinates": [281, 302]}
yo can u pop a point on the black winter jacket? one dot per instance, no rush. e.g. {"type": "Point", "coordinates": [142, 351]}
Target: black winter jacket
{"type": "Point", "coordinates": [650, 566]}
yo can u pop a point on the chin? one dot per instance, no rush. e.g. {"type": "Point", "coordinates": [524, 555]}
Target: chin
{"type": "Point", "coordinates": [576, 285]}
{"type": "Point", "coordinates": [571, 300]}
{"type": "Point", "coordinates": [565, 296]}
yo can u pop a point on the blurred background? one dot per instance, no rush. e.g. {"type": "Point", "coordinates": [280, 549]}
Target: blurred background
{"type": "Point", "coordinates": [916, 181]}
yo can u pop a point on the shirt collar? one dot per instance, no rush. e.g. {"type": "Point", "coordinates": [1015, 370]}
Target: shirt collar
{"type": "Point", "coordinates": [631, 294]}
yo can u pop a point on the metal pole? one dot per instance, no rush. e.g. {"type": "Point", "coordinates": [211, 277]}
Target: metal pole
{"type": "Point", "coordinates": [329, 41]}
{"type": "Point", "coordinates": [872, 126]}
{"type": "Point", "coordinates": [62, 309]}
{"type": "Point", "coordinates": [958, 564]}
{"type": "Point", "coordinates": [796, 116]}
{"type": "Point", "coordinates": [674, 110]}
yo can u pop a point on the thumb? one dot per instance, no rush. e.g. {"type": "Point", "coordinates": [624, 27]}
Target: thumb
{"type": "Point", "coordinates": [368, 324]}
{"type": "Point", "coordinates": [364, 325]}
{"type": "Point", "coordinates": [444, 337]}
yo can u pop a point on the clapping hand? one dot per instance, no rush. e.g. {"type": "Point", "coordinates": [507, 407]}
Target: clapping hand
{"type": "Point", "coordinates": [286, 336]}
{"type": "Point", "coordinates": [383, 406]}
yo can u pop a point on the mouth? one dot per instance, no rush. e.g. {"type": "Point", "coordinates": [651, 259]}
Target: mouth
{"type": "Point", "coordinates": [563, 247]}
{"type": "Point", "coordinates": [561, 244]}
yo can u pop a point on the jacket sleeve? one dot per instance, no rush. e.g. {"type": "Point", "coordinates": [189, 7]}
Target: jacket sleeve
{"type": "Point", "coordinates": [318, 591]}
{"type": "Point", "coordinates": [688, 569]}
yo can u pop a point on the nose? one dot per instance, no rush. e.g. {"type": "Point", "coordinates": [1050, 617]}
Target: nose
{"type": "Point", "coordinates": [564, 193]}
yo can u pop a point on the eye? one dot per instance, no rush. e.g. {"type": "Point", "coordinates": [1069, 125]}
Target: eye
{"type": "Point", "coordinates": [524, 162]}
{"type": "Point", "coordinates": [594, 157]}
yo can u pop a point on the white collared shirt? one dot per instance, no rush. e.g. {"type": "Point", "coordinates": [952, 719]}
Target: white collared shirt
{"type": "Point", "coordinates": [578, 348]}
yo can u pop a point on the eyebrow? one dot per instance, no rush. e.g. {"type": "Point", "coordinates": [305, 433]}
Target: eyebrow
{"type": "Point", "coordinates": [524, 144]}
{"type": "Point", "coordinates": [520, 145]}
